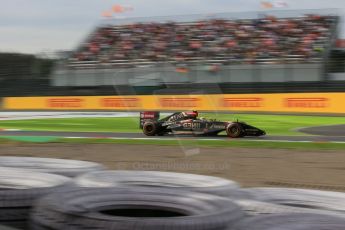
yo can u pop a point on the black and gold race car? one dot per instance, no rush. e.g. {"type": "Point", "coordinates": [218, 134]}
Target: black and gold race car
{"type": "Point", "coordinates": [189, 123]}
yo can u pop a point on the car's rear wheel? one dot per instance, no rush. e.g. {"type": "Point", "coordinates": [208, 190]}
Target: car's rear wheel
{"type": "Point", "coordinates": [150, 128]}
{"type": "Point", "coordinates": [234, 130]}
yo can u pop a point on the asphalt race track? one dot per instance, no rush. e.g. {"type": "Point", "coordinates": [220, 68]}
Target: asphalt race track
{"type": "Point", "coordinates": [328, 138]}
{"type": "Point", "coordinates": [331, 130]}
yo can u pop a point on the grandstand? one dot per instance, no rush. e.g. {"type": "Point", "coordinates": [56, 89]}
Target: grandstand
{"type": "Point", "coordinates": [281, 51]}
{"type": "Point", "coordinates": [224, 42]}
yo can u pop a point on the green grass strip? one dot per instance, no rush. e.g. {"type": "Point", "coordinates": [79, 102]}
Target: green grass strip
{"type": "Point", "coordinates": [272, 124]}
{"type": "Point", "coordinates": [32, 139]}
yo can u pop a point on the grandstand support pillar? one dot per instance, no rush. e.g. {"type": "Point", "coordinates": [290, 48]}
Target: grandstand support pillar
{"type": "Point", "coordinates": [100, 81]}
{"type": "Point", "coordinates": [72, 79]}
{"type": "Point", "coordinates": [228, 75]}
{"type": "Point", "coordinates": [332, 43]}
{"type": "Point", "coordinates": [288, 76]}
{"type": "Point", "coordinates": [231, 79]}
{"type": "Point", "coordinates": [256, 76]}
{"type": "Point", "coordinates": [193, 74]}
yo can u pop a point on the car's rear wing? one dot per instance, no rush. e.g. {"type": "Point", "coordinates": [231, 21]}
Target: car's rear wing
{"type": "Point", "coordinates": [148, 116]}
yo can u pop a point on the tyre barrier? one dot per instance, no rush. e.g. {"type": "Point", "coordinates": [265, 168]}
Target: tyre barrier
{"type": "Point", "coordinates": [136, 208]}
{"type": "Point", "coordinates": [256, 208]}
{"type": "Point", "coordinates": [143, 200]}
{"type": "Point", "coordinates": [176, 181]}
{"type": "Point", "coordinates": [306, 199]}
{"type": "Point", "coordinates": [294, 221]}
{"type": "Point", "coordinates": [20, 189]}
{"type": "Point", "coordinates": [4, 227]}
{"type": "Point", "coordinates": [69, 168]}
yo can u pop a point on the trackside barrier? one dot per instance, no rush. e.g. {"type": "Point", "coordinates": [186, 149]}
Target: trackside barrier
{"type": "Point", "coordinates": [288, 102]}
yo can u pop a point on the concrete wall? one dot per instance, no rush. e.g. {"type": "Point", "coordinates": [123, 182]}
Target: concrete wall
{"type": "Point", "coordinates": [151, 76]}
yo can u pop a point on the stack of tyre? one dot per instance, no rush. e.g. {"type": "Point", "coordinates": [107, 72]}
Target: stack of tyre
{"type": "Point", "coordinates": [175, 201]}
{"type": "Point", "coordinates": [24, 180]}
{"type": "Point", "coordinates": [78, 195]}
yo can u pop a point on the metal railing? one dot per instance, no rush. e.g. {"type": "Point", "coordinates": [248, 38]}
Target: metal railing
{"type": "Point", "coordinates": [135, 63]}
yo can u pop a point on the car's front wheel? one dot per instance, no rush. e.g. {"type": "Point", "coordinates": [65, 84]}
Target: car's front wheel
{"type": "Point", "coordinates": [234, 130]}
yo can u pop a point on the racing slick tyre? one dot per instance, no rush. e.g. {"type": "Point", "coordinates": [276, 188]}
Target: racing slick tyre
{"type": "Point", "coordinates": [69, 168]}
{"type": "Point", "coordinates": [150, 128]}
{"type": "Point", "coordinates": [129, 209]}
{"type": "Point", "coordinates": [20, 189]}
{"type": "Point", "coordinates": [234, 130]}
{"type": "Point", "coordinates": [301, 198]}
{"type": "Point", "coordinates": [178, 181]}
{"type": "Point", "coordinates": [296, 221]}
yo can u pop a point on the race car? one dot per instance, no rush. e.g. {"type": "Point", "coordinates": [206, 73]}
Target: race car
{"type": "Point", "coordinates": [189, 123]}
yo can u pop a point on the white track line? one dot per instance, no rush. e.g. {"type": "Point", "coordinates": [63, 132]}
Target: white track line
{"type": "Point", "coordinates": [171, 139]}
{"type": "Point", "coordinates": [46, 115]}
{"type": "Point", "coordinates": [10, 130]}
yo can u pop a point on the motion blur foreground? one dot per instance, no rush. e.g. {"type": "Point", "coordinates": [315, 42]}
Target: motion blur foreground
{"type": "Point", "coordinates": [258, 62]}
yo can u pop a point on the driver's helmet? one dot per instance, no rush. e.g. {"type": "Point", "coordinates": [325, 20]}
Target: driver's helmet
{"type": "Point", "coordinates": [196, 113]}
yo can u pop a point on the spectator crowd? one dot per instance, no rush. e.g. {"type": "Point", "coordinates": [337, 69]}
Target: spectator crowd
{"type": "Point", "coordinates": [248, 41]}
